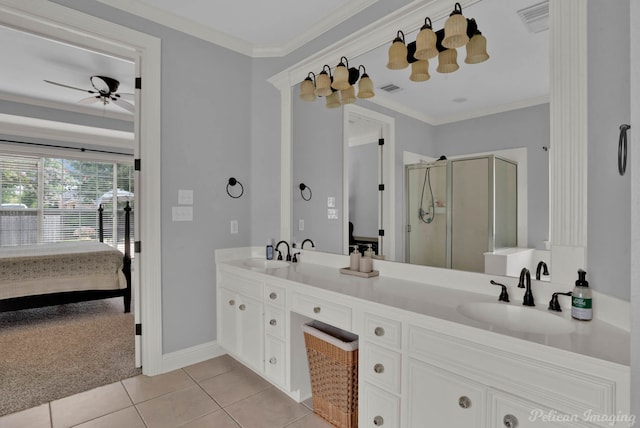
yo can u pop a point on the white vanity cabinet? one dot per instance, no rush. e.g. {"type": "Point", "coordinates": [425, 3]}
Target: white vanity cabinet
{"type": "Point", "coordinates": [415, 370]}
{"type": "Point", "coordinates": [240, 318]}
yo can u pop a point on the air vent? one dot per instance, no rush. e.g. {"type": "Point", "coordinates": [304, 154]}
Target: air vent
{"type": "Point", "coordinates": [391, 88]}
{"type": "Point", "coordinates": [536, 17]}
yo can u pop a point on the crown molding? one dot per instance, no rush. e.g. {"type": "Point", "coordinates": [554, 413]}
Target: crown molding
{"type": "Point", "coordinates": [236, 44]}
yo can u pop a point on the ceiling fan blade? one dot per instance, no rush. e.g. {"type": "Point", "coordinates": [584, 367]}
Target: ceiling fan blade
{"type": "Point", "coordinates": [125, 96]}
{"type": "Point", "coordinates": [71, 87]}
{"type": "Point", "coordinates": [89, 100]}
{"type": "Point", "coordinates": [124, 104]}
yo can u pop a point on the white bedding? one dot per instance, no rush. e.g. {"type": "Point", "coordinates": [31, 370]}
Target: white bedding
{"type": "Point", "coordinates": [66, 266]}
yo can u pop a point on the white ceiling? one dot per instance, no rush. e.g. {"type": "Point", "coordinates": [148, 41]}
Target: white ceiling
{"type": "Point", "coordinates": [515, 75]}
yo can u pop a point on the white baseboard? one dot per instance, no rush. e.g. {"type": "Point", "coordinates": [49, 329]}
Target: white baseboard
{"type": "Point", "coordinates": [186, 357]}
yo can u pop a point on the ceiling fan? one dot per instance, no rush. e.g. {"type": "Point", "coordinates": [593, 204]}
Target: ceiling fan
{"type": "Point", "coordinates": [105, 91]}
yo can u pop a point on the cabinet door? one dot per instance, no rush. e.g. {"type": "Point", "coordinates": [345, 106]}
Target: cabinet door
{"type": "Point", "coordinates": [437, 398]}
{"type": "Point", "coordinates": [511, 411]}
{"type": "Point", "coordinates": [227, 330]}
{"type": "Point", "coordinates": [251, 332]}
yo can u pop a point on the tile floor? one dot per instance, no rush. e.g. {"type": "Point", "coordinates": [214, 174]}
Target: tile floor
{"type": "Point", "coordinates": [219, 393]}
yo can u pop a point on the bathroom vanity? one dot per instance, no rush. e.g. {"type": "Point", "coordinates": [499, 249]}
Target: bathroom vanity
{"type": "Point", "coordinates": [436, 347]}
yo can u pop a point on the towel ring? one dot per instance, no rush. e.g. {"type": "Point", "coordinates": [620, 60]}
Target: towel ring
{"type": "Point", "coordinates": [622, 148]}
{"type": "Point", "coordinates": [304, 187]}
{"type": "Point", "coordinates": [232, 182]}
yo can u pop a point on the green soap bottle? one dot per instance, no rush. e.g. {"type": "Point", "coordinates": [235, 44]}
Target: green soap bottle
{"type": "Point", "coordinates": [581, 302]}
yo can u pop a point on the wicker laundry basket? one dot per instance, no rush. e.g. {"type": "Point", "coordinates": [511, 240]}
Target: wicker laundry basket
{"type": "Point", "coordinates": [333, 367]}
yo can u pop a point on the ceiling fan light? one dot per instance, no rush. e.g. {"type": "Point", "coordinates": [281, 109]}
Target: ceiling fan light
{"type": "Point", "coordinates": [455, 29]}
{"type": "Point", "coordinates": [348, 96]}
{"type": "Point", "coordinates": [341, 77]}
{"type": "Point", "coordinates": [333, 100]}
{"type": "Point", "coordinates": [323, 84]}
{"type": "Point", "coordinates": [307, 90]}
{"type": "Point", "coordinates": [398, 54]}
{"type": "Point", "coordinates": [426, 43]}
{"type": "Point", "coordinates": [477, 49]}
{"type": "Point", "coordinates": [448, 61]}
{"type": "Point", "coordinates": [420, 71]}
{"type": "Point", "coordinates": [365, 87]}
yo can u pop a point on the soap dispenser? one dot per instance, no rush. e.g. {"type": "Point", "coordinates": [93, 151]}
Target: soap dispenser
{"type": "Point", "coordinates": [369, 252]}
{"type": "Point", "coordinates": [581, 305]}
{"type": "Point", "coordinates": [354, 259]}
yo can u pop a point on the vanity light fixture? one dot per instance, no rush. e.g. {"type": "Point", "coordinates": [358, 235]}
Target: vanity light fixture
{"type": "Point", "coordinates": [323, 82]}
{"type": "Point", "coordinates": [398, 53]}
{"type": "Point", "coordinates": [232, 182]}
{"type": "Point", "coordinates": [338, 89]}
{"type": "Point", "coordinates": [308, 88]}
{"type": "Point", "coordinates": [458, 31]}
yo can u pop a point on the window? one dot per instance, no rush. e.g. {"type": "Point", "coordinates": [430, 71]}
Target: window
{"type": "Point", "coordinates": [46, 199]}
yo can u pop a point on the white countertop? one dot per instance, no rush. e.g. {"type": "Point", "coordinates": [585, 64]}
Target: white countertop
{"type": "Point", "coordinates": [596, 338]}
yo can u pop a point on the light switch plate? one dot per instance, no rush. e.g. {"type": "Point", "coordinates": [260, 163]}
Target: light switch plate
{"type": "Point", "coordinates": [185, 197]}
{"type": "Point", "coordinates": [234, 227]}
{"type": "Point", "coordinates": [331, 202]}
{"type": "Point", "coordinates": [332, 214]}
{"type": "Point", "coordinates": [182, 213]}
{"type": "Point", "coordinates": [301, 224]}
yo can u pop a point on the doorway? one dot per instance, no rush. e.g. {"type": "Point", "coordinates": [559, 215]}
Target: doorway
{"type": "Point", "coordinates": [68, 26]}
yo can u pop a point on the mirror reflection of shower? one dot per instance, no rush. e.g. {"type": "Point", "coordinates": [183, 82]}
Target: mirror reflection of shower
{"type": "Point", "coordinates": [460, 209]}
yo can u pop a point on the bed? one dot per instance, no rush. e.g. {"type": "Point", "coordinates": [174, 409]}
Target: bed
{"type": "Point", "coordinates": [33, 276]}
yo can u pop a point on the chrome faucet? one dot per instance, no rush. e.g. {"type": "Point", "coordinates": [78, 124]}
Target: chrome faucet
{"type": "Point", "coordinates": [542, 266]}
{"type": "Point", "coordinates": [288, 250]}
{"type": "Point", "coordinates": [307, 240]}
{"type": "Point", "coordinates": [525, 276]}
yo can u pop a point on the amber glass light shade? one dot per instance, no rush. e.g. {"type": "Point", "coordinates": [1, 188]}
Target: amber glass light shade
{"type": "Point", "coordinates": [307, 90]}
{"type": "Point", "coordinates": [333, 100]}
{"type": "Point", "coordinates": [426, 44]}
{"type": "Point", "coordinates": [398, 54]}
{"type": "Point", "coordinates": [448, 61]}
{"type": "Point", "coordinates": [323, 84]}
{"type": "Point", "coordinates": [455, 29]}
{"type": "Point", "coordinates": [341, 77]}
{"type": "Point", "coordinates": [348, 96]}
{"type": "Point", "coordinates": [477, 49]}
{"type": "Point", "coordinates": [365, 87]}
{"type": "Point", "coordinates": [420, 71]}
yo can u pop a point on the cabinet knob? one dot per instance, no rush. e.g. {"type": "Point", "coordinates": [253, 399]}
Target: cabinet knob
{"type": "Point", "coordinates": [378, 421]}
{"type": "Point", "coordinates": [379, 331]}
{"type": "Point", "coordinates": [464, 402]}
{"type": "Point", "coordinates": [273, 360]}
{"type": "Point", "coordinates": [510, 421]}
{"type": "Point", "coordinates": [232, 302]}
{"type": "Point", "coordinates": [378, 368]}
{"type": "Point", "coordinates": [242, 307]}
{"type": "Point", "coordinates": [273, 296]}
{"type": "Point", "coordinates": [273, 322]}
{"type": "Point", "coordinates": [316, 310]}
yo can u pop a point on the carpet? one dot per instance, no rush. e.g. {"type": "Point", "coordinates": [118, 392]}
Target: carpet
{"type": "Point", "coordinates": [51, 353]}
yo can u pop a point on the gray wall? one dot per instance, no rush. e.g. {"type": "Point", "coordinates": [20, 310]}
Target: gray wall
{"type": "Point", "coordinates": [634, 171]}
{"type": "Point", "coordinates": [609, 206]}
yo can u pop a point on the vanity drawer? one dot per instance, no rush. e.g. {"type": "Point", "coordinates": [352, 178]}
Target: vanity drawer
{"type": "Point", "coordinates": [275, 366]}
{"type": "Point", "coordinates": [382, 331]}
{"type": "Point", "coordinates": [322, 310]}
{"type": "Point", "coordinates": [274, 295]}
{"type": "Point", "coordinates": [381, 409]}
{"type": "Point", "coordinates": [274, 321]}
{"type": "Point", "coordinates": [381, 366]}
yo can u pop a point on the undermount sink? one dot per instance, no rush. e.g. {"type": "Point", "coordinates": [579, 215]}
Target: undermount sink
{"type": "Point", "coordinates": [517, 318]}
{"type": "Point", "coordinates": [265, 264]}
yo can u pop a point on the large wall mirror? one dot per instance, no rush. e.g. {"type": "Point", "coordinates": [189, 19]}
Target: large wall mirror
{"type": "Point", "coordinates": [496, 108]}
